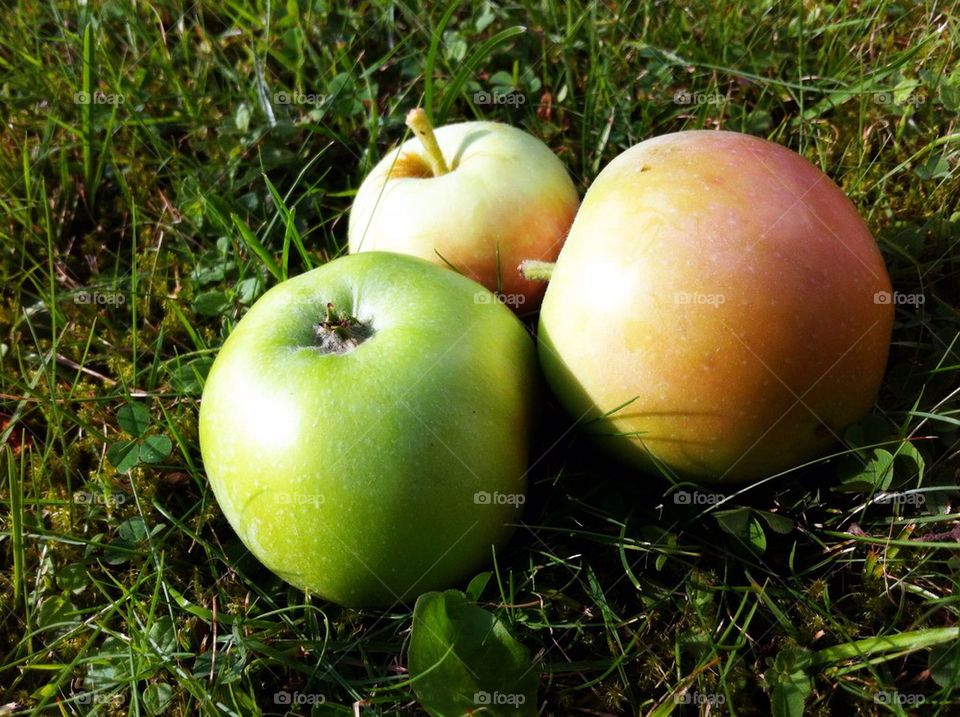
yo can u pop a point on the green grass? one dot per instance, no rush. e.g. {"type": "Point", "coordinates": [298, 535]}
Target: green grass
{"type": "Point", "coordinates": [187, 187]}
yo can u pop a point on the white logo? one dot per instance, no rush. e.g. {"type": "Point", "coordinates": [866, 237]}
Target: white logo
{"type": "Point", "coordinates": [298, 698]}
{"type": "Point", "coordinates": [885, 297]}
{"type": "Point", "coordinates": [498, 698]}
{"type": "Point", "coordinates": [686, 297]}
{"type": "Point", "coordinates": [683, 497]}
{"type": "Point", "coordinates": [499, 98]}
{"type": "Point", "coordinates": [497, 498]}
{"type": "Point", "coordinates": [486, 297]}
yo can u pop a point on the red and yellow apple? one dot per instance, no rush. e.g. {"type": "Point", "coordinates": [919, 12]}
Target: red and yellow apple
{"type": "Point", "coordinates": [477, 197]}
{"type": "Point", "coordinates": [719, 310]}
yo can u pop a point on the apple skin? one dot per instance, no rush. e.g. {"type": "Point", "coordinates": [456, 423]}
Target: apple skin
{"type": "Point", "coordinates": [724, 289]}
{"type": "Point", "coordinates": [354, 475]}
{"type": "Point", "coordinates": [505, 187]}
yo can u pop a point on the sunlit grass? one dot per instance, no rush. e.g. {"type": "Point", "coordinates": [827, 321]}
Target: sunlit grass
{"type": "Point", "coordinates": [219, 154]}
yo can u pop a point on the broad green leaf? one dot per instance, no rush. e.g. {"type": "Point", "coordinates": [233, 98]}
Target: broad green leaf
{"type": "Point", "coordinates": [485, 19]}
{"type": "Point", "coordinates": [162, 636]}
{"type": "Point", "coordinates": [944, 664]}
{"type": "Point", "coordinates": [248, 290]}
{"type": "Point", "coordinates": [45, 691]}
{"type": "Point", "coordinates": [936, 167]}
{"type": "Point", "coordinates": [476, 586]}
{"type": "Point", "coordinates": [188, 378]}
{"type": "Point", "coordinates": [911, 460]}
{"type": "Point", "coordinates": [113, 665]}
{"type": "Point", "coordinates": [157, 697]}
{"type": "Point", "coordinates": [733, 520]}
{"type": "Point", "coordinates": [133, 530]}
{"type": "Point", "coordinates": [124, 455]}
{"type": "Point", "coordinates": [778, 523]}
{"type": "Point", "coordinates": [343, 94]}
{"type": "Point", "coordinates": [463, 660]}
{"type": "Point", "coordinates": [245, 704]}
{"type": "Point", "coordinates": [155, 448]}
{"type": "Point", "coordinates": [134, 418]}
{"type": "Point", "coordinates": [788, 682]}
{"type": "Point", "coordinates": [211, 268]}
{"type": "Point", "coordinates": [55, 610]}
{"type": "Point", "coordinates": [950, 95]}
{"type": "Point", "coordinates": [130, 534]}
{"type": "Point", "coordinates": [904, 89]}
{"type": "Point", "coordinates": [455, 47]}
{"type": "Point", "coordinates": [755, 535]}
{"type": "Point", "coordinates": [72, 577]}
{"type": "Point", "coordinates": [211, 303]}
{"type": "Point", "coordinates": [227, 668]}
{"type": "Point", "coordinates": [875, 476]}
{"type": "Point", "coordinates": [740, 523]}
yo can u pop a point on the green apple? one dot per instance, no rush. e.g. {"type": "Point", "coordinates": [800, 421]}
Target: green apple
{"type": "Point", "coordinates": [364, 428]}
{"type": "Point", "coordinates": [718, 310]}
{"type": "Point", "coordinates": [476, 196]}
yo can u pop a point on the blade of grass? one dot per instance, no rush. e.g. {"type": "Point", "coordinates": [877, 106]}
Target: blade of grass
{"type": "Point", "coordinates": [291, 233]}
{"type": "Point", "coordinates": [254, 245]}
{"type": "Point", "coordinates": [431, 59]}
{"type": "Point", "coordinates": [907, 641]}
{"type": "Point", "coordinates": [86, 109]}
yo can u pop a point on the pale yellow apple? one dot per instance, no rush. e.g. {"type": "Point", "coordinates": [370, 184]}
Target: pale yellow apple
{"type": "Point", "coordinates": [720, 309]}
{"type": "Point", "coordinates": [505, 198]}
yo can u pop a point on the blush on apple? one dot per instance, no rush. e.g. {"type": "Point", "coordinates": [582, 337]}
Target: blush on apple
{"type": "Point", "coordinates": [477, 197]}
{"type": "Point", "coordinates": [718, 310]}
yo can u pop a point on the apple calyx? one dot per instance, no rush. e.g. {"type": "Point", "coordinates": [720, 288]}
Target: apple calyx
{"type": "Point", "coordinates": [339, 332]}
{"type": "Point", "coordinates": [536, 270]}
{"type": "Point", "coordinates": [418, 121]}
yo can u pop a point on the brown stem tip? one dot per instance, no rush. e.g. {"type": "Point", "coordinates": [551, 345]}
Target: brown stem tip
{"type": "Point", "coordinates": [339, 332]}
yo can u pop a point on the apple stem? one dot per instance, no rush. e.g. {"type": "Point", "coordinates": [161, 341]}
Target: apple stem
{"type": "Point", "coordinates": [418, 121]}
{"type": "Point", "coordinates": [536, 270]}
{"type": "Point", "coordinates": [339, 332]}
